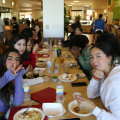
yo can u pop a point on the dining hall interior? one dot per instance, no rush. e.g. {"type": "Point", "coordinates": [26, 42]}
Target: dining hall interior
{"type": "Point", "coordinates": [60, 59]}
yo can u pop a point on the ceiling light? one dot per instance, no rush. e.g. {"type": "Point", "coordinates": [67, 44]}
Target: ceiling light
{"type": "Point", "coordinates": [87, 5]}
{"type": "Point", "coordinates": [72, 3]}
{"type": "Point", "coordinates": [76, 1]}
{"type": "Point", "coordinates": [12, 3]}
{"type": "Point", "coordinates": [3, 1]}
{"type": "Point", "coordinates": [69, 5]}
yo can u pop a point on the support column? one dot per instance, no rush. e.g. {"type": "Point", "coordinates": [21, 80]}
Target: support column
{"type": "Point", "coordinates": [53, 19]}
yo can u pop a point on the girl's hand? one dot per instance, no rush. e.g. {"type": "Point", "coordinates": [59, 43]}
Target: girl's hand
{"type": "Point", "coordinates": [29, 68]}
{"type": "Point", "coordinates": [15, 69]}
{"type": "Point", "coordinates": [46, 78]}
{"type": "Point", "coordinates": [35, 48]}
{"type": "Point", "coordinates": [98, 74]}
{"type": "Point", "coordinates": [85, 104]}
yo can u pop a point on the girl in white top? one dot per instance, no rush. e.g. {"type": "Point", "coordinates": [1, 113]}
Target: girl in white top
{"type": "Point", "coordinates": [105, 83]}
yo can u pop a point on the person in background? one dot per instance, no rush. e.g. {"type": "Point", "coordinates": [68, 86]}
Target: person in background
{"type": "Point", "coordinates": [2, 28]}
{"type": "Point", "coordinates": [32, 49]}
{"type": "Point", "coordinates": [96, 35]}
{"type": "Point", "coordinates": [38, 33]}
{"type": "Point", "coordinates": [78, 30]}
{"type": "Point", "coordinates": [7, 21]}
{"type": "Point", "coordinates": [15, 26]}
{"type": "Point", "coordinates": [81, 51]}
{"type": "Point", "coordinates": [11, 92]}
{"type": "Point", "coordinates": [72, 30]}
{"type": "Point", "coordinates": [105, 83]}
{"type": "Point", "coordinates": [78, 23]}
{"type": "Point", "coordinates": [36, 22]}
{"type": "Point", "coordinates": [99, 24]}
{"type": "Point", "coordinates": [33, 23]}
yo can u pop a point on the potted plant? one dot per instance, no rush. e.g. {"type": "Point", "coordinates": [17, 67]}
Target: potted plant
{"type": "Point", "coordinates": [58, 51]}
{"type": "Point", "coordinates": [54, 79]}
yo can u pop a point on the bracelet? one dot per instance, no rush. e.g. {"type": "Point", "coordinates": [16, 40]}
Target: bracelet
{"type": "Point", "coordinates": [34, 52]}
{"type": "Point", "coordinates": [96, 78]}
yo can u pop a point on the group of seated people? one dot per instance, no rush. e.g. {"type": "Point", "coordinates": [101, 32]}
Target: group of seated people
{"type": "Point", "coordinates": [101, 59]}
{"type": "Point", "coordinates": [15, 61]}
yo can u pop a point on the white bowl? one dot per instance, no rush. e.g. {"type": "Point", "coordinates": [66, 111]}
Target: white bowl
{"type": "Point", "coordinates": [73, 104]}
{"type": "Point", "coordinates": [21, 111]}
{"type": "Point", "coordinates": [53, 109]}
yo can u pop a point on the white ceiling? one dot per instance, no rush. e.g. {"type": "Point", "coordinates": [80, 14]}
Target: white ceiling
{"type": "Point", "coordinates": [36, 4]}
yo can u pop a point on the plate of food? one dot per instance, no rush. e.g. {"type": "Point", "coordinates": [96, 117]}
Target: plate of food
{"type": "Point", "coordinates": [42, 59]}
{"type": "Point", "coordinates": [42, 52]}
{"type": "Point", "coordinates": [32, 114]}
{"type": "Point", "coordinates": [40, 64]}
{"type": "Point", "coordinates": [75, 109]}
{"type": "Point", "coordinates": [80, 75]}
{"type": "Point", "coordinates": [67, 77]}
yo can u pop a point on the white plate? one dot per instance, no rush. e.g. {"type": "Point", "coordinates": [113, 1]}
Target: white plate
{"type": "Point", "coordinates": [74, 78]}
{"type": "Point", "coordinates": [40, 64]}
{"type": "Point", "coordinates": [41, 69]}
{"type": "Point", "coordinates": [81, 75]}
{"type": "Point", "coordinates": [21, 111]}
{"type": "Point", "coordinates": [42, 59]}
{"type": "Point", "coordinates": [43, 51]}
{"type": "Point", "coordinates": [73, 104]}
{"type": "Point", "coordinates": [51, 109]}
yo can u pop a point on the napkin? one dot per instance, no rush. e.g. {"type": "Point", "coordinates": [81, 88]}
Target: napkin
{"type": "Point", "coordinates": [47, 95]}
{"type": "Point", "coordinates": [34, 81]}
{"type": "Point", "coordinates": [16, 109]}
{"type": "Point", "coordinates": [43, 55]}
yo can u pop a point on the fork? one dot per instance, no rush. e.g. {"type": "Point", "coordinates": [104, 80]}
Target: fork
{"type": "Point", "coordinates": [25, 112]}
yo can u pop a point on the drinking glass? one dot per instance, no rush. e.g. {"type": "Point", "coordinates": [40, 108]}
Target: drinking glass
{"type": "Point", "coordinates": [41, 73]}
{"type": "Point", "coordinates": [55, 42]}
{"type": "Point", "coordinates": [62, 58]}
{"type": "Point", "coordinates": [56, 68]}
{"type": "Point", "coordinates": [35, 73]}
{"type": "Point", "coordinates": [66, 67]}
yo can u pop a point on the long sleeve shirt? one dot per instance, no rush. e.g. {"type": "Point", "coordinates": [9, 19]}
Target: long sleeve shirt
{"type": "Point", "coordinates": [109, 91]}
{"type": "Point", "coordinates": [99, 24]}
{"type": "Point", "coordinates": [18, 95]}
{"type": "Point", "coordinates": [84, 59]}
{"type": "Point", "coordinates": [31, 61]}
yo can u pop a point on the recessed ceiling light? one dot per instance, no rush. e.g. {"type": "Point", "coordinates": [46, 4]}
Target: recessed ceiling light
{"type": "Point", "coordinates": [76, 1]}
{"type": "Point", "coordinates": [3, 1]}
{"type": "Point", "coordinates": [72, 3]}
{"type": "Point", "coordinates": [12, 3]}
{"type": "Point", "coordinates": [69, 5]}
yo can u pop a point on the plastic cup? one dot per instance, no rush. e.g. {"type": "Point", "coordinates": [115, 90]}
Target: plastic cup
{"type": "Point", "coordinates": [41, 73]}
{"type": "Point", "coordinates": [76, 93]}
{"type": "Point", "coordinates": [35, 73]}
{"type": "Point", "coordinates": [66, 67]}
{"type": "Point", "coordinates": [62, 58]}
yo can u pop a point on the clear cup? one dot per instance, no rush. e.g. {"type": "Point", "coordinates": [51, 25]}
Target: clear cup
{"type": "Point", "coordinates": [62, 56]}
{"type": "Point", "coordinates": [35, 73]}
{"type": "Point", "coordinates": [56, 68]}
{"type": "Point", "coordinates": [66, 67]}
{"type": "Point", "coordinates": [41, 73]}
{"type": "Point", "coordinates": [76, 93]}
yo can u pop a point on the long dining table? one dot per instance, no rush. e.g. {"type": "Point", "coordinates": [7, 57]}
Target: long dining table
{"type": "Point", "coordinates": [67, 88]}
